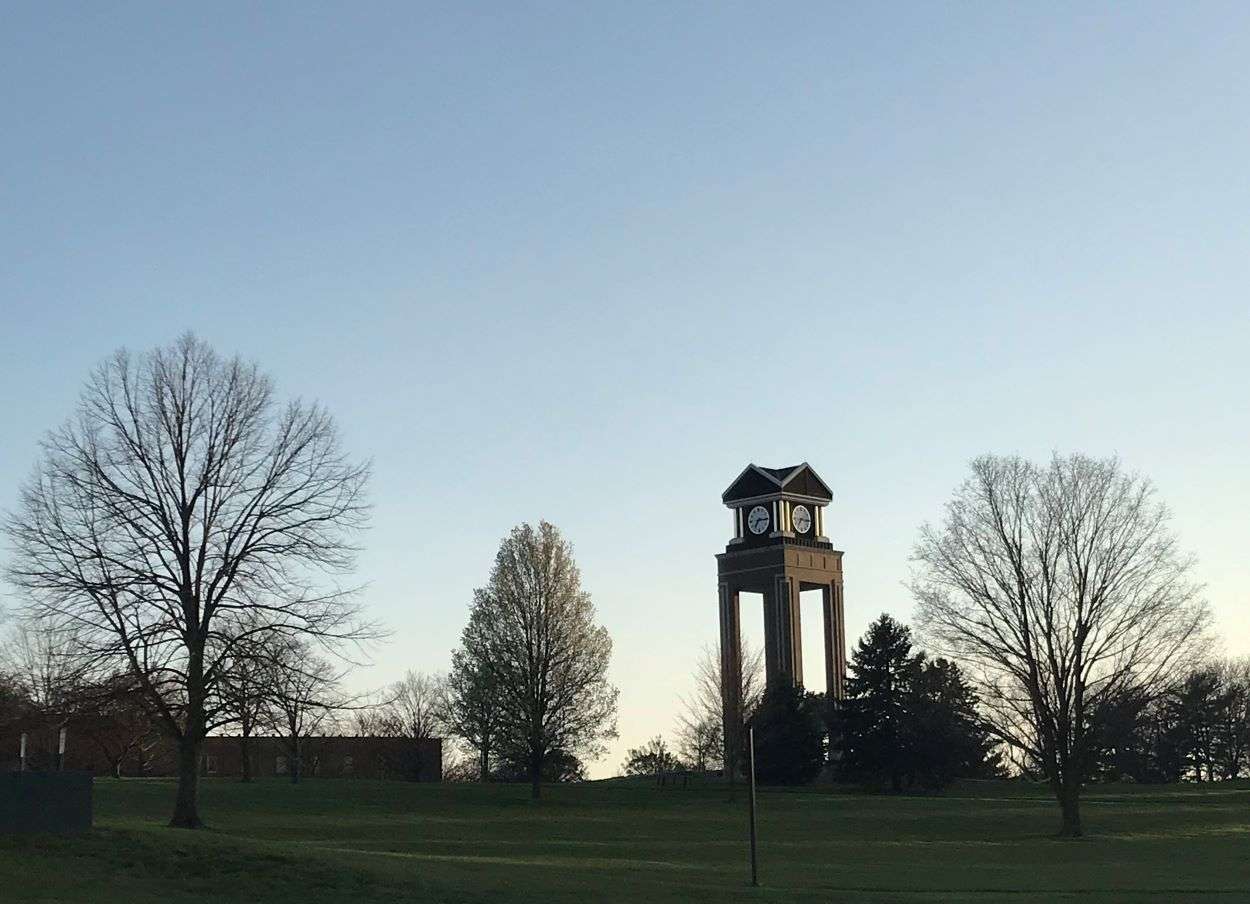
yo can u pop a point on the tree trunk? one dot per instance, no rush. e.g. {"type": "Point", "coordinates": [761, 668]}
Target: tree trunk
{"type": "Point", "coordinates": [1069, 794]}
{"type": "Point", "coordinates": [296, 765]}
{"type": "Point", "coordinates": [484, 764]}
{"type": "Point", "coordinates": [536, 775]}
{"type": "Point", "coordinates": [245, 758]}
{"type": "Point", "coordinates": [186, 804]}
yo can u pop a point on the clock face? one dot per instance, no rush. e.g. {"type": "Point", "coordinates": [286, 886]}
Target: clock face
{"type": "Point", "coordinates": [801, 518]}
{"type": "Point", "coordinates": [758, 520]}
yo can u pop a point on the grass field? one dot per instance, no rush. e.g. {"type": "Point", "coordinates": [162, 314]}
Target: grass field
{"type": "Point", "coordinates": [632, 841]}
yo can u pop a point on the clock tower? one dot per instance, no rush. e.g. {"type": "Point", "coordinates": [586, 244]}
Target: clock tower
{"type": "Point", "coordinates": [778, 549]}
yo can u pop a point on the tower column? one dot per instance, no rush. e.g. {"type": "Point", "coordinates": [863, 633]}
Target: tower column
{"type": "Point", "coordinates": [730, 674]}
{"type": "Point", "coordinates": [835, 641]}
{"type": "Point", "coordinates": [783, 632]}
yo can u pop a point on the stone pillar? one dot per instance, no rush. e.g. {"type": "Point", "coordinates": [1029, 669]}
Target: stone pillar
{"type": "Point", "coordinates": [835, 641]}
{"type": "Point", "coordinates": [783, 632]}
{"type": "Point", "coordinates": [731, 674]}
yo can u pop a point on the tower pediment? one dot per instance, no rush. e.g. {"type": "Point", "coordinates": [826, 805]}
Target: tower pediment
{"type": "Point", "coordinates": [756, 482]}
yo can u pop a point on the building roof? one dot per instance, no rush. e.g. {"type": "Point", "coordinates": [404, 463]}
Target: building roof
{"type": "Point", "coordinates": [795, 480]}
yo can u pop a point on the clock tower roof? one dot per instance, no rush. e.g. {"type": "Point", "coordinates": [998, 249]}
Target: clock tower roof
{"type": "Point", "coordinates": [796, 481]}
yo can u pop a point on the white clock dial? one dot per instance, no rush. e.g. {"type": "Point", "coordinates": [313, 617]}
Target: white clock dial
{"type": "Point", "coordinates": [801, 518]}
{"type": "Point", "coordinates": [758, 519]}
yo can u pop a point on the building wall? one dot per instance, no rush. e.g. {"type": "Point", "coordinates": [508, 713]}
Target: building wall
{"type": "Point", "coordinates": [90, 746]}
{"type": "Point", "coordinates": [329, 757]}
{"type": "Point", "coordinates": [323, 757]}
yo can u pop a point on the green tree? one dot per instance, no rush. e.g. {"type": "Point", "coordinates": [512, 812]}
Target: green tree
{"type": "Point", "coordinates": [874, 719]}
{"type": "Point", "coordinates": [532, 636]}
{"type": "Point", "coordinates": [1198, 702]}
{"type": "Point", "coordinates": [1121, 733]}
{"type": "Point", "coordinates": [789, 736]}
{"type": "Point", "coordinates": [1232, 728]}
{"type": "Point", "coordinates": [471, 708]}
{"type": "Point", "coordinates": [559, 766]}
{"type": "Point", "coordinates": [652, 758]}
{"type": "Point", "coordinates": [909, 720]}
{"type": "Point", "coordinates": [946, 738]}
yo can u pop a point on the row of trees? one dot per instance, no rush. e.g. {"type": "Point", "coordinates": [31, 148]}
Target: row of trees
{"type": "Point", "coordinates": [184, 528]}
{"type": "Point", "coordinates": [911, 721]}
{"type": "Point", "coordinates": [914, 721]}
{"type": "Point", "coordinates": [1196, 729]}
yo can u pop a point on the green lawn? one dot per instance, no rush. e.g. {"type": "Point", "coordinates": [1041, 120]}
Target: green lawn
{"type": "Point", "coordinates": [626, 841]}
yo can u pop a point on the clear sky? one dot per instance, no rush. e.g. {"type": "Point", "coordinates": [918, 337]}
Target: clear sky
{"type": "Point", "coordinates": [583, 262]}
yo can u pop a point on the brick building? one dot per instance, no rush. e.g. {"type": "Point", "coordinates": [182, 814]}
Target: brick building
{"type": "Point", "coordinates": [113, 752]}
{"type": "Point", "coordinates": [330, 757]}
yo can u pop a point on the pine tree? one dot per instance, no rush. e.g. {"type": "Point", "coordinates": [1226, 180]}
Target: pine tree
{"type": "Point", "coordinates": [909, 720]}
{"type": "Point", "coordinates": [946, 737]}
{"type": "Point", "coordinates": [873, 721]}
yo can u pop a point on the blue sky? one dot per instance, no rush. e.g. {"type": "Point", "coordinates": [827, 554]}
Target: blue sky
{"type": "Point", "coordinates": [583, 262]}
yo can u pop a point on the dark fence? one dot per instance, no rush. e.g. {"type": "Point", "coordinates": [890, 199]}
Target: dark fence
{"type": "Point", "coordinates": [45, 802]}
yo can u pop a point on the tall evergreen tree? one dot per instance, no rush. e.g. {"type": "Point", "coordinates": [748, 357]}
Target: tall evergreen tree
{"type": "Point", "coordinates": [873, 722]}
{"type": "Point", "coordinates": [1121, 733]}
{"type": "Point", "coordinates": [909, 720]}
{"type": "Point", "coordinates": [1197, 703]}
{"type": "Point", "coordinates": [946, 737]}
{"type": "Point", "coordinates": [1232, 723]}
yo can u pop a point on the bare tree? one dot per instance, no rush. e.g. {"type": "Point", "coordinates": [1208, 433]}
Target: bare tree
{"type": "Point", "coordinates": [1058, 586]}
{"type": "Point", "coordinates": [702, 718]}
{"type": "Point", "coordinates": [532, 630]}
{"type": "Point", "coordinates": [62, 690]}
{"type": "Point", "coordinates": [51, 679]}
{"type": "Point", "coordinates": [244, 699]}
{"type": "Point", "coordinates": [42, 656]}
{"type": "Point", "coordinates": [412, 708]}
{"type": "Point", "coordinates": [180, 499]}
{"type": "Point", "coordinates": [701, 744]}
{"type": "Point", "coordinates": [114, 717]}
{"type": "Point", "coordinates": [302, 697]}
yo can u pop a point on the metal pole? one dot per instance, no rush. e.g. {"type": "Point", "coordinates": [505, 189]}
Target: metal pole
{"type": "Point", "coordinates": [755, 876]}
{"type": "Point", "coordinates": [60, 764]}
{"type": "Point", "coordinates": [23, 754]}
